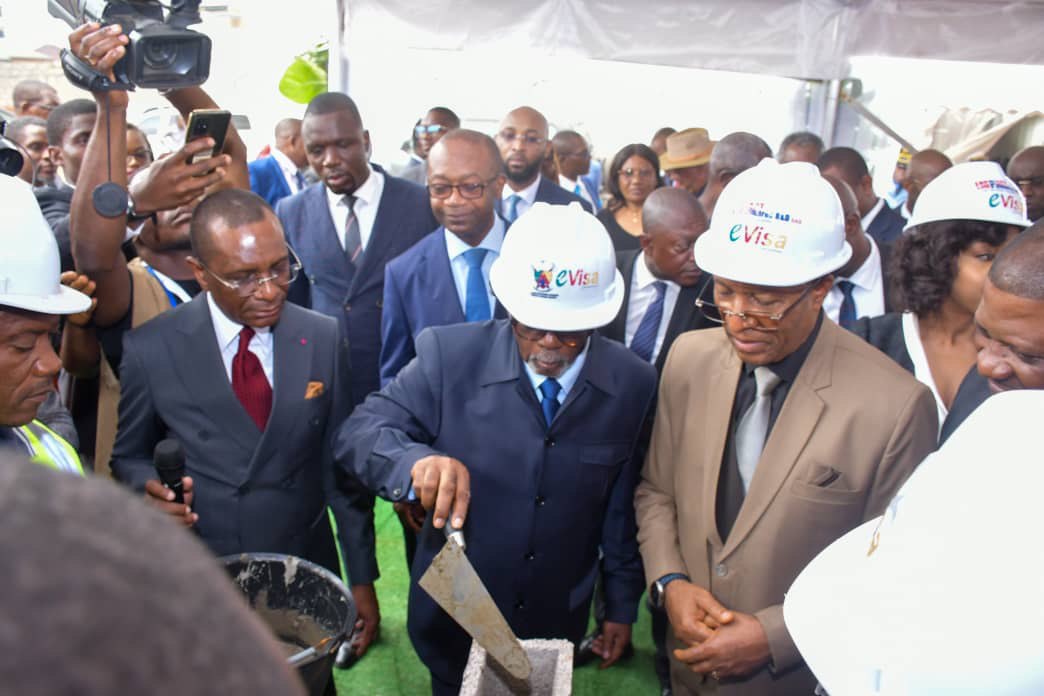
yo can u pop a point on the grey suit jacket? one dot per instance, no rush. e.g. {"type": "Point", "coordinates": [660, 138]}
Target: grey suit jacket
{"type": "Point", "coordinates": [254, 491]}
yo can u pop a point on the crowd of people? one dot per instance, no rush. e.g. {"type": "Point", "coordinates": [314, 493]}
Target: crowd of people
{"type": "Point", "coordinates": [686, 376]}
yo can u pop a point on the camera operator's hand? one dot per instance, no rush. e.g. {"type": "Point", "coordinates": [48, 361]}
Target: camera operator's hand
{"type": "Point", "coordinates": [101, 47]}
{"type": "Point", "coordinates": [171, 182]}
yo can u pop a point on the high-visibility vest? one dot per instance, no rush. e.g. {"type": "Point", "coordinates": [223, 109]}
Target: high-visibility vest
{"type": "Point", "coordinates": [48, 448]}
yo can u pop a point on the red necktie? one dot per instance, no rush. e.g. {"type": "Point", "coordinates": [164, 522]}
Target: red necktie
{"type": "Point", "coordinates": [249, 382]}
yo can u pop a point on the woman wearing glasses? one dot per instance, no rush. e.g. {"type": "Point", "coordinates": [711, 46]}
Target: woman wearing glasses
{"type": "Point", "coordinates": [633, 175]}
{"type": "Point", "coordinates": [938, 269]}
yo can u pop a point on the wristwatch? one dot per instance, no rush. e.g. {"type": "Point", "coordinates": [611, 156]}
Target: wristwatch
{"type": "Point", "coordinates": [657, 593]}
{"type": "Point", "coordinates": [133, 216]}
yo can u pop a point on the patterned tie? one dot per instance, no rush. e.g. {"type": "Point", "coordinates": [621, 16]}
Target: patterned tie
{"type": "Point", "coordinates": [753, 426]}
{"type": "Point", "coordinates": [549, 404]}
{"type": "Point", "coordinates": [352, 236]}
{"type": "Point", "coordinates": [847, 317]}
{"type": "Point", "coordinates": [249, 382]}
{"type": "Point", "coordinates": [513, 201]}
{"type": "Point", "coordinates": [299, 178]}
{"type": "Point", "coordinates": [644, 340]}
{"type": "Point", "coordinates": [476, 299]}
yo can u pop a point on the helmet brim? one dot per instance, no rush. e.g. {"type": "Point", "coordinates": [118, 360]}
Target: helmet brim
{"type": "Point", "coordinates": [537, 312]}
{"type": "Point", "coordinates": [66, 301]}
{"type": "Point", "coordinates": [726, 261]}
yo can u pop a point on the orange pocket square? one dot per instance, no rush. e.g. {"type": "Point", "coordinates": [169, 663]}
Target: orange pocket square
{"type": "Point", "coordinates": [314, 390]}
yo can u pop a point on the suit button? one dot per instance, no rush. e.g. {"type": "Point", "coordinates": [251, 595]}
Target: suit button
{"type": "Point", "coordinates": [721, 570]}
{"type": "Point", "coordinates": [397, 492]}
{"type": "Point", "coordinates": [530, 556]}
{"type": "Point", "coordinates": [380, 304]}
{"type": "Point", "coordinates": [549, 441]}
{"type": "Point", "coordinates": [540, 501]}
{"type": "Point", "coordinates": [347, 306]}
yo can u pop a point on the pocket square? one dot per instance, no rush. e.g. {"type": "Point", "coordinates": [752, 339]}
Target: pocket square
{"type": "Point", "coordinates": [314, 390]}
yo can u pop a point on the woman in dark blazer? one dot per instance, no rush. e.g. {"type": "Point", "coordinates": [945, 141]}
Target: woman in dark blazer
{"type": "Point", "coordinates": [633, 175]}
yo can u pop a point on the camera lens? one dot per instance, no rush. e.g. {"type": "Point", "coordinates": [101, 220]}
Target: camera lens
{"type": "Point", "coordinates": [11, 161]}
{"type": "Point", "coordinates": [160, 54]}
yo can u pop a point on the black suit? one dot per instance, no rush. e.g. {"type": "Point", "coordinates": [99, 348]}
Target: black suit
{"type": "Point", "coordinates": [686, 316]}
{"type": "Point", "coordinates": [887, 225]}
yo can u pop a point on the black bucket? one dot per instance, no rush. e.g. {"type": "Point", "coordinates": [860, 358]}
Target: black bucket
{"type": "Point", "coordinates": [302, 603]}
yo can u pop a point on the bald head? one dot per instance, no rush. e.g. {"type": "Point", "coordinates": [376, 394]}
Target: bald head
{"type": "Point", "coordinates": [528, 117]}
{"type": "Point", "coordinates": [853, 225]}
{"type": "Point", "coordinates": [287, 128]}
{"type": "Point", "coordinates": [572, 154]}
{"type": "Point", "coordinates": [924, 166]}
{"type": "Point", "coordinates": [288, 140]}
{"type": "Point", "coordinates": [1026, 169]}
{"type": "Point", "coordinates": [1019, 267]}
{"type": "Point", "coordinates": [522, 140]}
{"type": "Point", "coordinates": [672, 220]}
{"type": "Point", "coordinates": [488, 160]}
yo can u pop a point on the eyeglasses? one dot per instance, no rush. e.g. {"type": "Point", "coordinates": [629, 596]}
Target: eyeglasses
{"type": "Point", "coordinates": [638, 173]}
{"type": "Point", "coordinates": [566, 338]}
{"type": "Point", "coordinates": [282, 274]}
{"type": "Point", "coordinates": [470, 191]}
{"type": "Point", "coordinates": [527, 139]}
{"type": "Point", "coordinates": [430, 130]}
{"type": "Point", "coordinates": [766, 321]}
{"type": "Point", "coordinates": [1030, 181]}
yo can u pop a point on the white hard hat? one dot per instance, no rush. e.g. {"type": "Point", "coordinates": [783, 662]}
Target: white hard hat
{"type": "Point", "coordinates": [943, 593]}
{"type": "Point", "coordinates": [777, 225]}
{"type": "Point", "coordinates": [971, 191]}
{"type": "Point", "coordinates": [557, 270]}
{"type": "Point", "coordinates": [29, 264]}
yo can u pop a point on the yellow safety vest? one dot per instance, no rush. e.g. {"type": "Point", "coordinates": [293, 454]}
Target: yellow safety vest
{"type": "Point", "coordinates": [48, 448]}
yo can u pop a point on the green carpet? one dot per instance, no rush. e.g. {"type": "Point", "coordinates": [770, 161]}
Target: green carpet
{"type": "Point", "coordinates": [391, 668]}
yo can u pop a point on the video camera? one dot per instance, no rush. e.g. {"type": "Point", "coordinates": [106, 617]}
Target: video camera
{"type": "Point", "coordinates": [162, 53]}
{"type": "Point", "coordinates": [11, 159]}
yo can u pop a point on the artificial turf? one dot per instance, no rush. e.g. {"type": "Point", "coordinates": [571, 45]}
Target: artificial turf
{"type": "Point", "coordinates": [391, 668]}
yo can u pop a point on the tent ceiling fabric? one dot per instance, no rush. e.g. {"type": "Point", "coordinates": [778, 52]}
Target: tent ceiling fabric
{"type": "Point", "coordinates": [795, 38]}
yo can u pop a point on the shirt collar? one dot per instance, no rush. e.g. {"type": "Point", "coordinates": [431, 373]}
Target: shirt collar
{"type": "Point", "coordinates": [567, 380]}
{"type": "Point", "coordinates": [528, 194]}
{"type": "Point", "coordinates": [788, 368]}
{"type": "Point", "coordinates": [284, 162]}
{"type": "Point", "coordinates": [868, 276]}
{"type": "Point", "coordinates": [643, 276]}
{"type": "Point", "coordinates": [367, 193]}
{"type": "Point", "coordinates": [872, 213]}
{"type": "Point", "coordinates": [492, 242]}
{"type": "Point", "coordinates": [567, 183]}
{"type": "Point", "coordinates": [227, 330]}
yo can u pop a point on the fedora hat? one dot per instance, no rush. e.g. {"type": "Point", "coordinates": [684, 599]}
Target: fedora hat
{"type": "Point", "coordinates": [688, 148]}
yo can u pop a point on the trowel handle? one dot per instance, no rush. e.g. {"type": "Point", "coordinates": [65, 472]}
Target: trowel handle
{"type": "Point", "coordinates": [456, 535]}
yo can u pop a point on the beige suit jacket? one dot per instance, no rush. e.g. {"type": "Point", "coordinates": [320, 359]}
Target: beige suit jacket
{"type": "Point", "coordinates": [853, 427]}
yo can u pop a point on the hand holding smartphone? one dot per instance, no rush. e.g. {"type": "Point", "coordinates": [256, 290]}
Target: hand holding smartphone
{"type": "Point", "coordinates": [207, 123]}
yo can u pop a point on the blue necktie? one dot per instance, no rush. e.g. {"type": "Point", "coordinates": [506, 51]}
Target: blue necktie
{"type": "Point", "coordinates": [549, 404]}
{"type": "Point", "coordinates": [476, 299]}
{"type": "Point", "coordinates": [847, 316]}
{"type": "Point", "coordinates": [301, 183]}
{"type": "Point", "coordinates": [513, 201]}
{"type": "Point", "coordinates": [645, 337]}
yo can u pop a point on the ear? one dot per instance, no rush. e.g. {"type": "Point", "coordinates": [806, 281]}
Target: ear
{"type": "Point", "coordinates": [56, 155]}
{"type": "Point", "coordinates": [199, 272]}
{"type": "Point", "coordinates": [497, 187]}
{"type": "Point", "coordinates": [645, 241]}
{"type": "Point", "coordinates": [366, 143]}
{"type": "Point", "coordinates": [820, 290]}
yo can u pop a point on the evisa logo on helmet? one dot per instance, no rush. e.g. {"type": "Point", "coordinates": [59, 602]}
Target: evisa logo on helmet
{"type": "Point", "coordinates": [757, 236]}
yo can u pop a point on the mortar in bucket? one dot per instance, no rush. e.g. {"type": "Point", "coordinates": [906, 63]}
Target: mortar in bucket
{"type": "Point", "coordinates": [304, 604]}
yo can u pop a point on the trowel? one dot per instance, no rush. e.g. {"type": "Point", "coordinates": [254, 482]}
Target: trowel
{"type": "Point", "coordinates": [452, 582]}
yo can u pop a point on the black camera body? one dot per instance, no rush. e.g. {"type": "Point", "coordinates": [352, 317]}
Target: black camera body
{"type": "Point", "coordinates": [162, 53]}
{"type": "Point", "coordinates": [11, 159]}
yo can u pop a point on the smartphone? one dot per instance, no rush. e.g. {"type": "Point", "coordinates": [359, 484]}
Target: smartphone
{"type": "Point", "coordinates": [203, 123]}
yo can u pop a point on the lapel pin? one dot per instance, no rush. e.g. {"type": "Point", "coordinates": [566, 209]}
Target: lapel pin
{"type": "Point", "coordinates": [304, 341]}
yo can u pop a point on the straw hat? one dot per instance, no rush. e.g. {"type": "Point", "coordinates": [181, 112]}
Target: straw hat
{"type": "Point", "coordinates": [688, 148]}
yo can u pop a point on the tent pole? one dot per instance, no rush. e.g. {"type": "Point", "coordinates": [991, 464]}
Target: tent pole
{"type": "Point", "coordinates": [830, 112]}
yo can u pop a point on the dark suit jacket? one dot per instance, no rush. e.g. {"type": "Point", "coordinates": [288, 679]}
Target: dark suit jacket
{"type": "Point", "coordinates": [885, 333]}
{"type": "Point", "coordinates": [973, 391]}
{"type": "Point", "coordinates": [686, 316]}
{"type": "Point", "coordinates": [267, 180]}
{"type": "Point", "coordinates": [55, 204]}
{"type": "Point", "coordinates": [887, 226]}
{"type": "Point", "coordinates": [419, 291]}
{"type": "Point", "coordinates": [551, 192]}
{"type": "Point", "coordinates": [543, 499]}
{"type": "Point", "coordinates": [355, 296]}
{"type": "Point", "coordinates": [254, 491]}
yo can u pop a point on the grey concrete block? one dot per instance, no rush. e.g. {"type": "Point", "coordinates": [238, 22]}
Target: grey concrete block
{"type": "Point", "coordinates": [552, 675]}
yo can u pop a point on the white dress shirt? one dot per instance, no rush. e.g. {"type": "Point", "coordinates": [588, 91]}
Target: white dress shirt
{"type": "Point", "coordinates": [288, 168]}
{"type": "Point", "coordinates": [567, 381]}
{"type": "Point", "coordinates": [905, 210]}
{"type": "Point", "coordinates": [368, 198]}
{"type": "Point", "coordinates": [871, 214]}
{"type": "Point", "coordinates": [227, 333]}
{"type": "Point", "coordinates": [528, 196]}
{"type": "Point", "coordinates": [456, 248]}
{"type": "Point", "coordinates": [576, 187]}
{"type": "Point", "coordinates": [642, 295]}
{"type": "Point", "coordinates": [868, 291]}
{"type": "Point", "coordinates": [922, 371]}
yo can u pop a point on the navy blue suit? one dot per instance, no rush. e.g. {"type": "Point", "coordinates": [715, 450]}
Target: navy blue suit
{"type": "Point", "coordinates": [887, 226]}
{"type": "Point", "coordinates": [267, 180]}
{"type": "Point", "coordinates": [355, 296]}
{"type": "Point", "coordinates": [419, 291]}
{"type": "Point", "coordinates": [551, 192]}
{"type": "Point", "coordinates": [543, 499]}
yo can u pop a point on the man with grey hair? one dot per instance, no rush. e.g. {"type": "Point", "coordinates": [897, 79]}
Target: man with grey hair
{"type": "Point", "coordinates": [801, 146]}
{"type": "Point", "coordinates": [734, 153]}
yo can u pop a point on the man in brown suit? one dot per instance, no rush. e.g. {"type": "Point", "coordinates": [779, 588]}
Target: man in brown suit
{"type": "Point", "coordinates": [773, 437]}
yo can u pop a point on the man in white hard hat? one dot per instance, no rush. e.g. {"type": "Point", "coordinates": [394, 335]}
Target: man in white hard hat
{"type": "Point", "coordinates": [533, 419]}
{"type": "Point", "coordinates": [773, 436]}
{"type": "Point", "coordinates": [879, 611]}
{"type": "Point", "coordinates": [31, 301]}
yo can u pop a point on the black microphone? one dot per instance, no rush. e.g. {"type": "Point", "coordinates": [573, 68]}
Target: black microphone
{"type": "Point", "coordinates": [169, 459]}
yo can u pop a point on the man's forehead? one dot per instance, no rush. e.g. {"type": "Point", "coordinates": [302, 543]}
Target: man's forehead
{"type": "Point", "coordinates": [337, 124]}
{"type": "Point", "coordinates": [1029, 164]}
{"type": "Point", "coordinates": [16, 321]}
{"type": "Point", "coordinates": [524, 120]}
{"type": "Point", "coordinates": [436, 117]}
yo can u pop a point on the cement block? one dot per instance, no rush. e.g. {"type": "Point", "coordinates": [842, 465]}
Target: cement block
{"type": "Point", "coordinates": [552, 675]}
